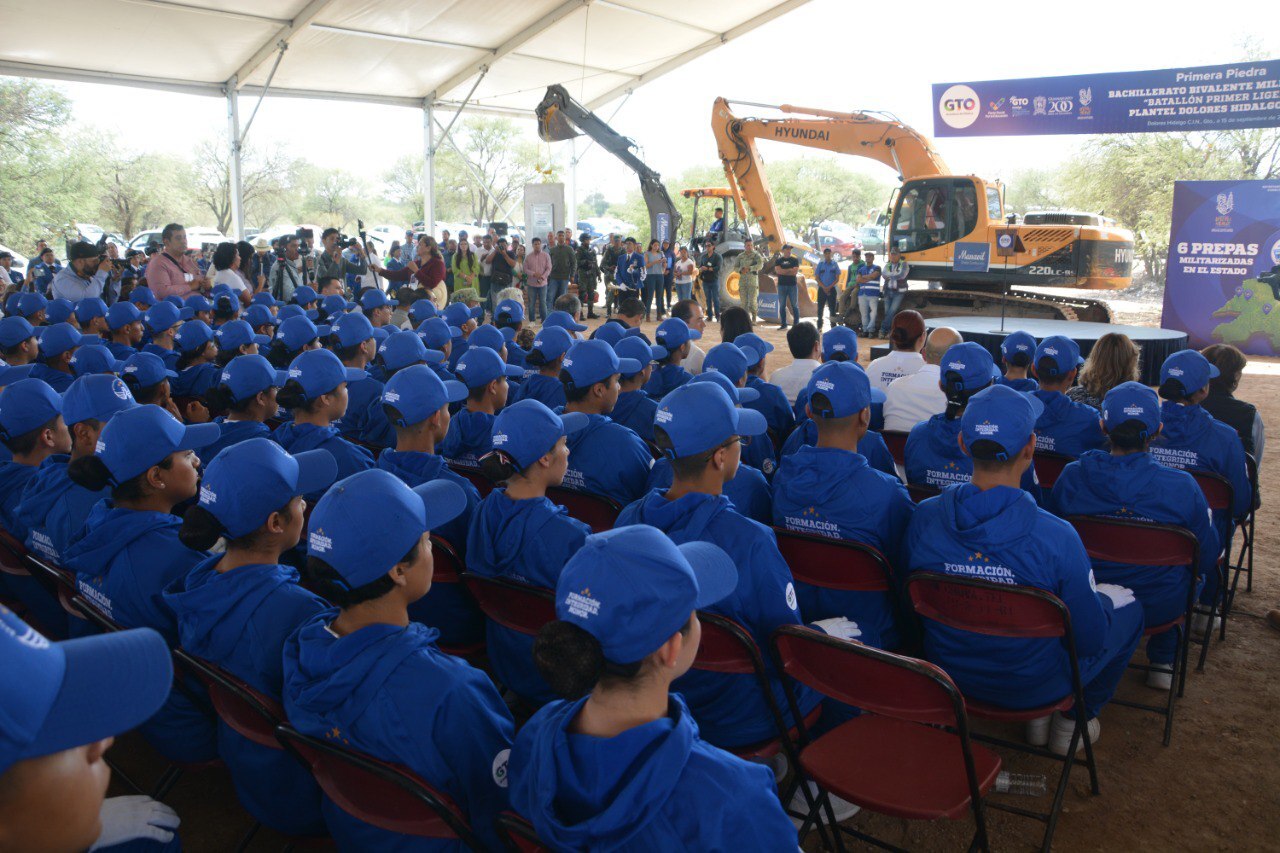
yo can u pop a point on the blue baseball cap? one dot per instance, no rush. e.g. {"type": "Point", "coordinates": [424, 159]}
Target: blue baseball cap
{"type": "Point", "coordinates": [403, 348]}
{"type": "Point", "coordinates": [10, 375]}
{"type": "Point", "coordinates": [589, 362]}
{"type": "Point", "coordinates": [422, 310]}
{"type": "Point", "coordinates": [319, 372]}
{"type": "Point", "coordinates": [59, 311]}
{"type": "Point", "coordinates": [226, 301]}
{"type": "Point", "coordinates": [458, 314]}
{"type": "Point", "coordinates": [632, 588]}
{"type": "Point", "coordinates": [305, 295]}
{"type": "Point", "coordinates": [846, 386]}
{"type": "Point", "coordinates": [15, 330]}
{"type": "Point", "coordinates": [142, 296]}
{"type": "Point", "coordinates": [148, 368]}
{"type": "Point", "coordinates": [96, 397]}
{"type": "Point", "coordinates": [59, 338]}
{"type": "Point", "coordinates": [528, 430]}
{"type": "Point", "coordinates": [840, 341]}
{"type": "Point", "coordinates": [365, 524]}
{"type": "Point", "coordinates": [1062, 351]}
{"type": "Point", "coordinates": [237, 333]}
{"type": "Point", "coordinates": [265, 298]}
{"type": "Point", "coordinates": [488, 336]}
{"type": "Point", "coordinates": [193, 335]}
{"type": "Point", "coordinates": [26, 405]}
{"type": "Point", "coordinates": [731, 360]}
{"type": "Point", "coordinates": [1187, 366]}
{"type": "Point", "coordinates": [251, 479]}
{"type": "Point", "coordinates": [93, 359]}
{"type": "Point", "coordinates": [736, 394]}
{"type": "Point", "coordinates": [297, 332]}
{"type": "Point", "coordinates": [58, 696]}
{"type": "Point", "coordinates": [1131, 401]}
{"type": "Point", "coordinates": [611, 333]}
{"type": "Point", "coordinates": [352, 329]}
{"type": "Point", "coordinates": [381, 333]}
{"type": "Point", "coordinates": [161, 317]}
{"type": "Point", "coordinates": [90, 307]}
{"type": "Point", "coordinates": [335, 304]}
{"type": "Point", "coordinates": [176, 301]}
{"type": "Point", "coordinates": [195, 304]}
{"type": "Point", "coordinates": [247, 375]}
{"type": "Point", "coordinates": [11, 303]}
{"type": "Point", "coordinates": [257, 315]}
{"type": "Point", "coordinates": [31, 304]}
{"type": "Point", "coordinates": [510, 310]}
{"type": "Point", "coordinates": [1002, 415]}
{"type": "Point", "coordinates": [417, 393]}
{"type": "Point", "coordinates": [122, 314]}
{"type": "Point", "coordinates": [564, 320]}
{"type": "Point", "coordinates": [552, 342]}
{"type": "Point", "coordinates": [968, 367]}
{"type": "Point", "coordinates": [635, 349]}
{"type": "Point", "coordinates": [1018, 342]}
{"type": "Point", "coordinates": [437, 334]}
{"type": "Point", "coordinates": [480, 365]}
{"type": "Point", "coordinates": [290, 311]}
{"type": "Point", "coordinates": [698, 416]}
{"type": "Point", "coordinates": [751, 340]}
{"type": "Point", "coordinates": [144, 436]}
{"type": "Point", "coordinates": [373, 298]}
{"type": "Point", "coordinates": [674, 333]}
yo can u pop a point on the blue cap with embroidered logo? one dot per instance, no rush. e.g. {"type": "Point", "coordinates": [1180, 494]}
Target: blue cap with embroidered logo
{"type": "Point", "coordinates": [509, 310]}
{"type": "Point", "coordinates": [968, 367]}
{"type": "Point", "coordinates": [305, 295]}
{"type": "Point", "coordinates": [417, 393]}
{"type": "Point", "coordinates": [1018, 342]}
{"type": "Point", "coordinates": [143, 436]}
{"type": "Point", "coordinates": [96, 397]}
{"type": "Point", "coordinates": [699, 416]}
{"type": "Point", "coordinates": [1187, 366]}
{"type": "Point", "coordinates": [1131, 401]}
{"type": "Point", "coordinates": [161, 317]}
{"type": "Point", "coordinates": [611, 333]}
{"type": "Point", "coordinates": [352, 329]}
{"type": "Point", "coordinates": [93, 359]}
{"type": "Point", "coordinates": [1001, 415]}
{"type": "Point", "coordinates": [403, 348]}
{"type": "Point", "coordinates": [31, 304]}
{"type": "Point", "coordinates": [248, 481]}
{"type": "Point", "coordinates": [289, 311]}
{"type": "Point", "coordinates": [247, 375]}
{"type": "Point", "coordinates": [319, 372]}
{"type": "Point", "coordinates": [265, 298]}
{"type": "Point", "coordinates": [15, 330]}
{"type": "Point", "coordinates": [11, 303]}
{"type": "Point", "coordinates": [88, 308]}
{"type": "Point", "coordinates": [193, 335]}
{"type": "Point", "coordinates": [552, 342]}
{"type": "Point", "coordinates": [257, 315]}
{"type": "Point", "coordinates": [59, 338]}
{"type": "Point", "coordinates": [147, 368]}
{"type": "Point", "coordinates": [58, 696]}
{"type": "Point", "coordinates": [674, 333]}
{"type": "Point", "coordinates": [142, 296]}
{"type": "Point", "coordinates": [122, 314]}
{"type": "Point", "coordinates": [840, 343]}
{"type": "Point", "coordinates": [528, 430]}
{"type": "Point", "coordinates": [423, 310]}
{"type": "Point", "coordinates": [589, 362]}
{"type": "Point", "coordinates": [731, 360]}
{"type": "Point", "coordinates": [26, 405]}
{"type": "Point", "coordinates": [738, 395]}
{"type": "Point", "coordinates": [366, 524]}
{"type": "Point", "coordinates": [1064, 354]}
{"type": "Point", "coordinates": [846, 386]}
{"type": "Point", "coordinates": [564, 320]}
{"type": "Point", "coordinates": [335, 304]}
{"type": "Point", "coordinates": [238, 333]}
{"type": "Point", "coordinates": [297, 332]}
{"type": "Point", "coordinates": [195, 304]}
{"type": "Point", "coordinates": [480, 365]}
{"type": "Point", "coordinates": [437, 334]}
{"type": "Point", "coordinates": [458, 314]}
{"type": "Point", "coordinates": [753, 341]}
{"type": "Point", "coordinates": [59, 311]}
{"type": "Point", "coordinates": [374, 298]}
{"type": "Point", "coordinates": [632, 588]}
{"type": "Point", "coordinates": [635, 349]}
{"type": "Point", "coordinates": [488, 336]}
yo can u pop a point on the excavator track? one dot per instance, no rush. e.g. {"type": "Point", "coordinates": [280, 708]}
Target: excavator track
{"type": "Point", "coordinates": [951, 303]}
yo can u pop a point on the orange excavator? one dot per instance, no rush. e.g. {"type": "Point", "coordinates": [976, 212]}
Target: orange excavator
{"type": "Point", "coordinates": [952, 229]}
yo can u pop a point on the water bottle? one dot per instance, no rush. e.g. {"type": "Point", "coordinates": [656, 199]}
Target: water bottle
{"type": "Point", "coordinates": [1024, 784]}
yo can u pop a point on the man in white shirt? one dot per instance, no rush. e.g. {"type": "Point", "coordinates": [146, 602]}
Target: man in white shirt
{"type": "Point", "coordinates": [906, 338]}
{"type": "Point", "coordinates": [691, 312]}
{"type": "Point", "coordinates": [805, 344]}
{"type": "Point", "coordinates": [917, 397]}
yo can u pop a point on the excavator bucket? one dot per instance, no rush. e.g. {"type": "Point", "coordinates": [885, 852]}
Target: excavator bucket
{"type": "Point", "coordinates": [553, 126]}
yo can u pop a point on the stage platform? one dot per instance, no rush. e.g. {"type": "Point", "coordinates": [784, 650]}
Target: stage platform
{"type": "Point", "coordinates": [1155, 344]}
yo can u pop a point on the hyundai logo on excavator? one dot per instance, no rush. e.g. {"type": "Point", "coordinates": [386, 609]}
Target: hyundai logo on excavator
{"type": "Point", "coordinates": [800, 133]}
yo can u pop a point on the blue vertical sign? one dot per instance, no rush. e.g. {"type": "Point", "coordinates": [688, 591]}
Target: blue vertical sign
{"type": "Point", "coordinates": [972, 257]}
{"type": "Point", "coordinates": [663, 227]}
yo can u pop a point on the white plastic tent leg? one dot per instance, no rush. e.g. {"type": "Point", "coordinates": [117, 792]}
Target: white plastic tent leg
{"type": "Point", "coordinates": [234, 162]}
{"type": "Point", "coordinates": [428, 165]}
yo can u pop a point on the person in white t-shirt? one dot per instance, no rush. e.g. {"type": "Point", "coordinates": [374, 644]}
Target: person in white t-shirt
{"type": "Point", "coordinates": [684, 268]}
{"type": "Point", "coordinates": [906, 337]}
{"type": "Point", "coordinates": [226, 260]}
{"type": "Point", "coordinates": [805, 343]}
{"type": "Point", "coordinates": [691, 312]}
{"type": "Point", "coordinates": [915, 398]}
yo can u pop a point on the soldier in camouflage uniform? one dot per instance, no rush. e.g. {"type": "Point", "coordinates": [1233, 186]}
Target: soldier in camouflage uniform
{"type": "Point", "coordinates": [608, 265]}
{"type": "Point", "coordinates": [750, 262]}
{"type": "Point", "coordinates": [588, 275]}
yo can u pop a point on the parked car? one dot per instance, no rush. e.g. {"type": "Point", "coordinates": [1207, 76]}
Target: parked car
{"type": "Point", "coordinates": [841, 246]}
{"type": "Point", "coordinates": [873, 238]}
{"type": "Point", "coordinates": [20, 262]}
{"type": "Point", "coordinates": [196, 237]}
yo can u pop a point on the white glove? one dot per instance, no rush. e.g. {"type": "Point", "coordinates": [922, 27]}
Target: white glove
{"type": "Point", "coordinates": [1119, 595]}
{"type": "Point", "coordinates": [838, 626]}
{"type": "Point", "coordinates": [137, 817]}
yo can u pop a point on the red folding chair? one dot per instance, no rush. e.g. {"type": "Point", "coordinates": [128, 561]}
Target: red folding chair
{"type": "Point", "coordinates": [897, 443]}
{"type": "Point", "coordinates": [1220, 497]}
{"type": "Point", "coordinates": [513, 605]}
{"type": "Point", "coordinates": [378, 792]}
{"type": "Point", "coordinates": [473, 476]}
{"type": "Point", "coordinates": [448, 570]}
{"type": "Point", "coordinates": [1143, 543]}
{"type": "Point", "coordinates": [375, 449]}
{"type": "Point", "coordinates": [518, 835]}
{"type": "Point", "coordinates": [1049, 466]}
{"type": "Point", "coordinates": [596, 511]}
{"type": "Point", "coordinates": [1002, 610]}
{"type": "Point", "coordinates": [920, 492]}
{"type": "Point", "coordinates": [909, 755]}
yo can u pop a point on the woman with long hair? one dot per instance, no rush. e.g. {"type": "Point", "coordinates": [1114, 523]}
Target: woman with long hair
{"type": "Point", "coordinates": [655, 267]}
{"type": "Point", "coordinates": [466, 267]}
{"type": "Point", "coordinates": [1113, 360]}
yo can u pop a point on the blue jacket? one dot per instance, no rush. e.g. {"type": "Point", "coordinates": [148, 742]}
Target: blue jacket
{"type": "Point", "coordinates": [1001, 535]}
{"type": "Point", "coordinates": [527, 541]}
{"type": "Point", "coordinates": [1193, 439]}
{"type": "Point", "coordinates": [389, 692]}
{"type": "Point", "coordinates": [120, 351]}
{"type": "Point", "coordinates": [56, 379]}
{"type": "Point", "coordinates": [123, 559]}
{"type": "Point", "coordinates": [759, 454]}
{"type": "Point", "coordinates": [516, 355]}
{"type": "Point", "coordinates": [625, 275]}
{"type": "Point", "coordinates": [470, 436]}
{"type": "Point", "coordinates": [296, 438]}
{"type": "Point", "coordinates": [53, 508]}
{"type": "Point", "coordinates": [14, 477]}
{"type": "Point", "coordinates": [654, 787]}
{"type": "Point", "coordinates": [773, 404]}
{"type": "Point", "coordinates": [827, 272]}
{"type": "Point", "coordinates": [196, 380]}
{"type": "Point", "coordinates": [729, 708]}
{"type": "Point", "coordinates": [607, 459]}
{"type": "Point", "coordinates": [934, 458]}
{"type": "Point", "coordinates": [1138, 488]}
{"type": "Point", "coordinates": [830, 492]}
{"type": "Point", "coordinates": [635, 410]}
{"type": "Point", "coordinates": [233, 432]}
{"type": "Point", "coordinates": [446, 607]}
{"type": "Point", "coordinates": [1068, 427]}
{"type": "Point", "coordinates": [240, 621]}
{"type": "Point", "coordinates": [168, 356]}
{"type": "Point", "coordinates": [456, 349]}
{"type": "Point", "coordinates": [871, 446]}
{"type": "Point", "coordinates": [664, 379]}
{"type": "Point", "coordinates": [364, 418]}
{"type": "Point", "coordinates": [545, 389]}
{"type": "Point", "coordinates": [748, 490]}
{"type": "Point", "coordinates": [1026, 385]}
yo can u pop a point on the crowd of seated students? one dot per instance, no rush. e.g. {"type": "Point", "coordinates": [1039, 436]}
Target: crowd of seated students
{"type": "Point", "coordinates": [263, 492]}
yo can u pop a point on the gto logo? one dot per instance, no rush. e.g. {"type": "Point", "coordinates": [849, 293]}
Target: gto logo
{"type": "Point", "coordinates": [959, 106]}
{"type": "Point", "coordinates": [1019, 103]}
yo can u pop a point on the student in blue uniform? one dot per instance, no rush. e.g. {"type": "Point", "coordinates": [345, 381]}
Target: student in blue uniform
{"type": "Point", "coordinates": [33, 430]}
{"type": "Point", "coordinates": [620, 764]}
{"type": "Point", "coordinates": [196, 366]}
{"type": "Point", "coordinates": [351, 339]}
{"type": "Point", "coordinates": [772, 402]}
{"type": "Point", "coordinates": [508, 316]}
{"type": "Point", "coordinates": [235, 338]}
{"type": "Point", "coordinates": [1128, 483]}
{"type": "Point", "coordinates": [518, 533]}
{"type": "Point", "coordinates": [246, 391]}
{"type": "Point", "coordinates": [675, 336]}
{"type": "Point", "coordinates": [124, 325]}
{"type": "Point", "coordinates": [933, 454]}
{"type": "Point", "coordinates": [1066, 427]}
{"type": "Point", "coordinates": [438, 335]}
{"type": "Point", "coordinates": [32, 306]}
{"type": "Point", "coordinates": [18, 343]}
{"type": "Point", "coordinates": [365, 675]}
{"type": "Point", "coordinates": [547, 356]}
{"type": "Point", "coordinates": [634, 408]}
{"type": "Point", "coordinates": [162, 323]}
{"type": "Point", "coordinates": [53, 508]}
{"type": "Point", "coordinates": [91, 314]}
{"type": "Point", "coordinates": [470, 430]}
{"type": "Point", "coordinates": [197, 307]}
{"type": "Point", "coordinates": [142, 297]}
{"type": "Point", "coordinates": [235, 609]}
{"type": "Point", "coordinates": [128, 550]}
{"type": "Point", "coordinates": [733, 362]}
{"type": "Point", "coordinates": [563, 320]}
{"type": "Point", "coordinates": [294, 336]}
{"type": "Point", "coordinates": [58, 346]}
{"type": "Point", "coordinates": [61, 311]}
{"type": "Point", "coordinates": [830, 490]}
{"type": "Point", "coordinates": [91, 359]}
{"type": "Point", "coordinates": [490, 337]}
{"type": "Point", "coordinates": [463, 319]}
{"type": "Point", "coordinates": [263, 320]}
{"type": "Point", "coordinates": [990, 528]}
{"type": "Point", "coordinates": [148, 380]}
{"type": "Point", "coordinates": [401, 349]}
{"type": "Point", "coordinates": [316, 394]}
{"type": "Point", "coordinates": [1017, 353]}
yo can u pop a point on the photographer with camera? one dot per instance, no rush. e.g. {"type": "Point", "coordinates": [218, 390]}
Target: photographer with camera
{"type": "Point", "coordinates": [330, 263]}
{"type": "Point", "coordinates": [171, 272]}
{"type": "Point", "coordinates": [291, 270]}
{"type": "Point", "coordinates": [85, 276]}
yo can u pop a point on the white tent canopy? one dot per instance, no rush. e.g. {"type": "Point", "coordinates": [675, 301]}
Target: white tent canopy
{"type": "Point", "coordinates": [493, 56]}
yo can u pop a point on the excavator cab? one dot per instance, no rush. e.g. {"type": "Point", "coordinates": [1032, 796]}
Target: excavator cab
{"type": "Point", "coordinates": [705, 202]}
{"type": "Point", "coordinates": [932, 212]}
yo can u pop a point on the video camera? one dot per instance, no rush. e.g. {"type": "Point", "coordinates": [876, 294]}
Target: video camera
{"type": "Point", "coordinates": [101, 246]}
{"type": "Point", "coordinates": [306, 237]}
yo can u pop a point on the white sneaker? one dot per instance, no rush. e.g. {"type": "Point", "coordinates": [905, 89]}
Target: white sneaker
{"type": "Point", "coordinates": [1060, 736]}
{"type": "Point", "coordinates": [1038, 731]}
{"type": "Point", "coordinates": [1200, 623]}
{"type": "Point", "coordinates": [1162, 678]}
{"type": "Point", "coordinates": [843, 809]}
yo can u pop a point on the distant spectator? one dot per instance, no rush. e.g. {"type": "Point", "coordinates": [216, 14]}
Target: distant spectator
{"type": "Point", "coordinates": [734, 322]}
{"type": "Point", "coordinates": [906, 337]}
{"type": "Point", "coordinates": [1222, 403]}
{"type": "Point", "coordinates": [918, 397]}
{"type": "Point", "coordinates": [806, 348]}
{"type": "Point", "coordinates": [1113, 359]}
{"type": "Point", "coordinates": [171, 272]}
{"type": "Point", "coordinates": [691, 312]}
{"type": "Point", "coordinates": [84, 276]}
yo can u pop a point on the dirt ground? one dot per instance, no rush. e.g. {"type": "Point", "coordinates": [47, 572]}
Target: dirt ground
{"type": "Point", "coordinates": [1216, 787]}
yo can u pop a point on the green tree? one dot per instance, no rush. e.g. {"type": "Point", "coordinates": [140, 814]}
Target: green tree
{"type": "Point", "coordinates": [595, 204]}
{"type": "Point", "coordinates": [332, 197]}
{"type": "Point", "coordinates": [137, 191]}
{"type": "Point", "coordinates": [267, 179]}
{"type": "Point", "coordinates": [1033, 189]}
